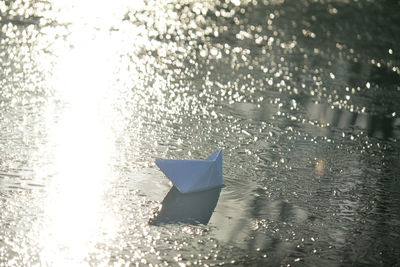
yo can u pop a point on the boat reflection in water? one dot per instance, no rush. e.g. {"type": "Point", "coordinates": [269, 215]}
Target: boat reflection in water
{"type": "Point", "coordinates": [193, 208]}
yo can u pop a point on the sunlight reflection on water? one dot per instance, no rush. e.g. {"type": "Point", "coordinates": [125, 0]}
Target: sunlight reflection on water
{"type": "Point", "coordinates": [300, 95]}
{"type": "Point", "coordinates": [82, 139]}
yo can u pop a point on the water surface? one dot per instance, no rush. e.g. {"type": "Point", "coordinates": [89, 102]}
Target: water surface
{"type": "Point", "coordinates": [301, 96]}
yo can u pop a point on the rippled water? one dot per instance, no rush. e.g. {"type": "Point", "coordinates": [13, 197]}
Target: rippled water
{"type": "Point", "coordinates": [301, 96]}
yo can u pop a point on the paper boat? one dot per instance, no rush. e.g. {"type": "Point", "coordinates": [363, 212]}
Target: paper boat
{"type": "Point", "coordinates": [195, 208]}
{"type": "Point", "coordinates": [193, 175]}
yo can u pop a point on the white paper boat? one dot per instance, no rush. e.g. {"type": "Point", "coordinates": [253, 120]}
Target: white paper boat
{"type": "Point", "coordinates": [193, 175]}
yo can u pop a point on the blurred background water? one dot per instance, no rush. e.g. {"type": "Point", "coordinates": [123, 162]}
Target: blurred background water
{"type": "Point", "coordinates": [301, 96]}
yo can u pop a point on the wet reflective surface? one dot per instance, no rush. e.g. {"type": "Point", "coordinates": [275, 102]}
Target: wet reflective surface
{"type": "Point", "coordinates": [194, 208]}
{"type": "Point", "coordinates": [302, 97]}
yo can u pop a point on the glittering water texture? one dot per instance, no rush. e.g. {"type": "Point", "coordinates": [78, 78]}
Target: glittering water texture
{"type": "Point", "coordinates": [301, 96]}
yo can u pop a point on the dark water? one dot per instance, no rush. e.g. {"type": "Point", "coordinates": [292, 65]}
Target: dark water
{"type": "Point", "coordinates": [301, 96]}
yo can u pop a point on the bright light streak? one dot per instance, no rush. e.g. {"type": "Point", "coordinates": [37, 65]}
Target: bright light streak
{"type": "Point", "coordinates": [83, 146]}
{"type": "Point", "coordinates": [83, 138]}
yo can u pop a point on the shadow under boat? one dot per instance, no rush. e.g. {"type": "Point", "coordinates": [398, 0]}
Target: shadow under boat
{"type": "Point", "coordinates": [193, 208]}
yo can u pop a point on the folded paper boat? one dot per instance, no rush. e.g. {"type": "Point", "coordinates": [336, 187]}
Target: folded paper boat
{"type": "Point", "coordinates": [193, 175]}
